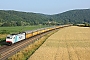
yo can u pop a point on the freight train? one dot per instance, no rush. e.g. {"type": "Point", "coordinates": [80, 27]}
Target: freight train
{"type": "Point", "coordinates": [14, 38]}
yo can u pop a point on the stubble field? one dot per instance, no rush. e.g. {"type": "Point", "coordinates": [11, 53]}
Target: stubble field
{"type": "Point", "coordinates": [71, 43]}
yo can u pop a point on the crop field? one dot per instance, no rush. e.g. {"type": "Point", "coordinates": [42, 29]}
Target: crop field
{"type": "Point", "coordinates": [71, 43]}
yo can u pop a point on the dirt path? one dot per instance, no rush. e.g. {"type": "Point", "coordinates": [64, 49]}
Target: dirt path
{"type": "Point", "coordinates": [71, 43]}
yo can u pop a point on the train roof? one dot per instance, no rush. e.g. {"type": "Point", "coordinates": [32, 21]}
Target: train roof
{"type": "Point", "coordinates": [18, 33]}
{"type": "Point", "coordinates": [28, 31]}
{"type": "Point", "coordinates": [10, 35]}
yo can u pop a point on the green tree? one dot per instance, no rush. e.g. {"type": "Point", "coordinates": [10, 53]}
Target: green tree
{"type": "Point", "coordinates": [6, 24]}
{"type": "Point", "coordinates": [18, 23]}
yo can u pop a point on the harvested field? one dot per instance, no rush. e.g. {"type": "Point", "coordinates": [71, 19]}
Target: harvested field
{"type": "Point", "coordinates": [71, 43]}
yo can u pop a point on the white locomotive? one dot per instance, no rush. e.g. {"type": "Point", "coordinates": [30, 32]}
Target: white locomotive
{"type": "Point", "coordinates": [13, 38]}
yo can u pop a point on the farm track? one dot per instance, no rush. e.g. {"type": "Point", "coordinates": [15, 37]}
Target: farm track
{"type": "Point", "coordinates": [7, 51]}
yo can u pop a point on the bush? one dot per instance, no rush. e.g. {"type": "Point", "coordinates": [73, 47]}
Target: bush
{"type": "Point", "coordinates": [2, 41]}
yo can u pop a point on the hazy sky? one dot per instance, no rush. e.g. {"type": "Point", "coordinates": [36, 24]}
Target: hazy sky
{"type": "Point", "coordinates": [44, 6]}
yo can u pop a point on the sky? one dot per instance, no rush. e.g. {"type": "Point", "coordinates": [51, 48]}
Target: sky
{"type": "Point", "coordinates": [44, 6]}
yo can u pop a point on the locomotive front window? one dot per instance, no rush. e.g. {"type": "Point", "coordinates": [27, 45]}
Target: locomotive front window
{"type": "Point", "coordinates": [9, 38]}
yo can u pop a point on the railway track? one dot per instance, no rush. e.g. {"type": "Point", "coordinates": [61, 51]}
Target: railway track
{"type": "Point", "coordinates": [7, 51]}
{"type": "Point", "coordinates": [2, 48]}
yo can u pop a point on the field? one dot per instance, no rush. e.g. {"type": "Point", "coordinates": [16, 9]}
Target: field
{"type": "Point", "coordinates": [71, 43]}
{"type": "Point", "coordinates": [19, 28]}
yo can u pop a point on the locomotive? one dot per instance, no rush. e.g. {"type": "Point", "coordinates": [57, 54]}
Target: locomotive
{"type": "Point", "coordinates": [13, 38]}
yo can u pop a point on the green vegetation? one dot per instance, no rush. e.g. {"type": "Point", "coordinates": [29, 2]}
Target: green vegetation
{"type": "Point", "coordinates": [2, 41]}
{"type": "Point", "coordinates": [83, 25]}
{"type": "Point", "coordinates": [78, 16]}
{"type": "Point", "coordinates": [17, 18]}
{"type": "Point", "coordinates": [10, 30]}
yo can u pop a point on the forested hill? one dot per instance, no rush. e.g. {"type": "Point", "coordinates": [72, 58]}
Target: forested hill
{"type": "Point", "coordinates": [74, 16]}
{"type": "Point", "coordinates": [17, 18]}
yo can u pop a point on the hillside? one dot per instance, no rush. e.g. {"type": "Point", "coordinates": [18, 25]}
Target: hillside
{"type": "Point", "coordinates": [18, 18]}
{"type": "Point", "coordinates": [74, 16]}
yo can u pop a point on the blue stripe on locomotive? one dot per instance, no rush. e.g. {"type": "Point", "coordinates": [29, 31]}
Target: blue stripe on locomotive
{"type": "Point", "coordinates": [16, 39]}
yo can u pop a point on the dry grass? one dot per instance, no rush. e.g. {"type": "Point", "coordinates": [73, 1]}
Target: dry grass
{"type": "Point", "coordinates": [3, 35]}
{"type": "Point", "coordinates": [71, 43]}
